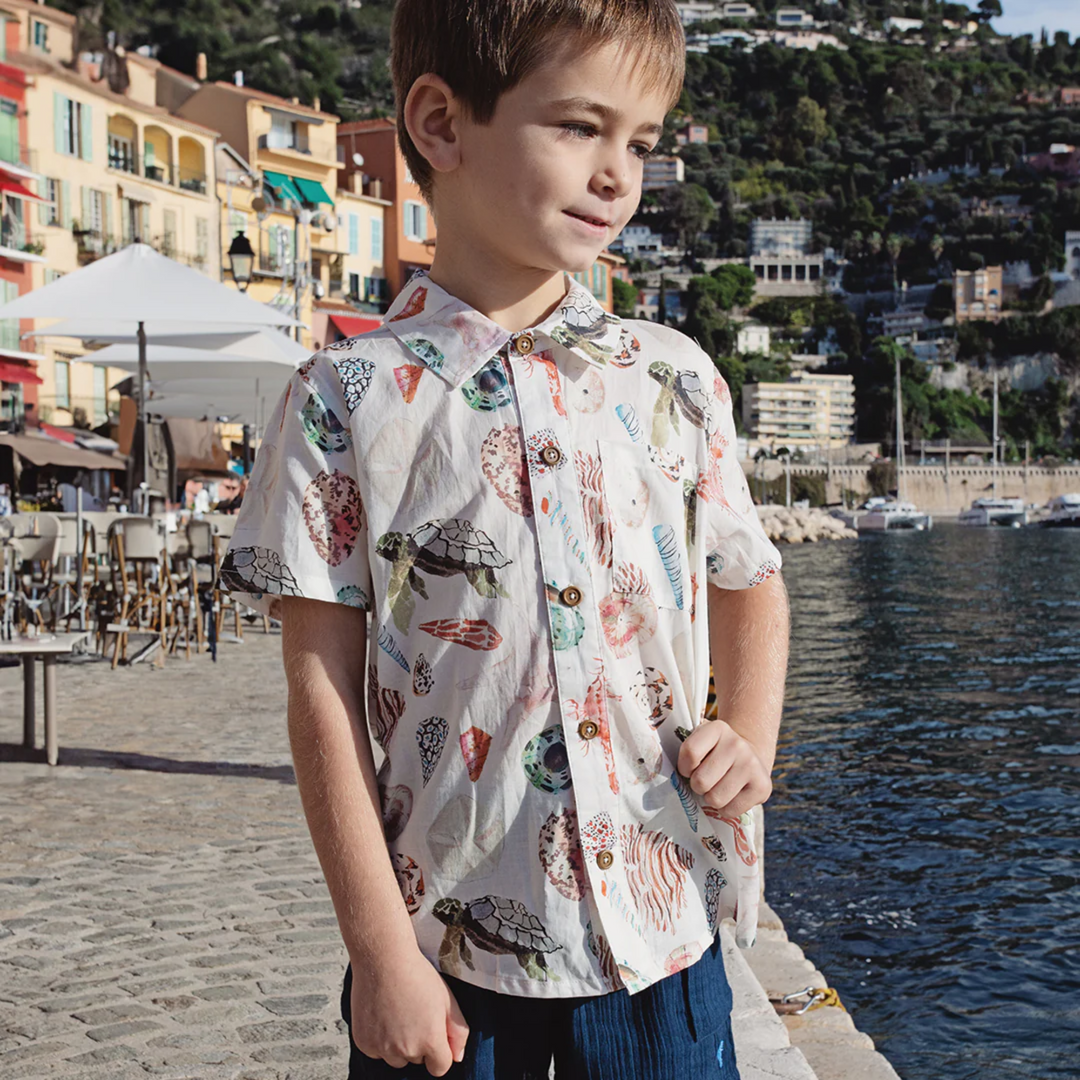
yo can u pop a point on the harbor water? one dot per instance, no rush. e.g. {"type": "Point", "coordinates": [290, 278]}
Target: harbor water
{"type": "Point", "coordinates": [923, 837]}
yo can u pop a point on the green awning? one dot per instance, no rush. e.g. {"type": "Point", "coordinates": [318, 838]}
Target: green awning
{"type": "Point", "coordinates": [312, 191]}
{"type": "Point", "coordinates": [283, 185]}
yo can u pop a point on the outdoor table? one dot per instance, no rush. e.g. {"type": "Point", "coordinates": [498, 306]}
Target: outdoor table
{"type": "Point", "coordinates": [48, 648]}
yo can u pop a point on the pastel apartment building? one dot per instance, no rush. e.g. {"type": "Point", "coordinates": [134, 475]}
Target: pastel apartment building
{"type": "Point", "coordinates": [810, 410]}
{"type": "Point", "coordinates": [112, 166]}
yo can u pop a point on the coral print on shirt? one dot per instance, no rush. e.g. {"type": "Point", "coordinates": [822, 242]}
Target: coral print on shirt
{"type": "Point", "coordinates": [531, 520]}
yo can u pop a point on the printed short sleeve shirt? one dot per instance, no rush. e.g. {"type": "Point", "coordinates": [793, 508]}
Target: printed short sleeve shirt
{"type": "Point", "coordinates": [531, 519]}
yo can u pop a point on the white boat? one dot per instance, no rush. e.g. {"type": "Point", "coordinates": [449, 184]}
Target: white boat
{"type": "Point", "coordinates": [1008, 512]}
{"type": "Point", "coordinates": [1064, 513]}
{"type": "Point", "coordinates": [891, 515]}
{"type": "Point", "coordinates": [894, 514]}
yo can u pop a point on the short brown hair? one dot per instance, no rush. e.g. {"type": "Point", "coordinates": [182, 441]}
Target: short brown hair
{"type": "Point", "coordinates": [482, 48]}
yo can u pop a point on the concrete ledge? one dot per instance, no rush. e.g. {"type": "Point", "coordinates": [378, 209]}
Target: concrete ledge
{"type": "Point", "coordinates": [825, 1037]}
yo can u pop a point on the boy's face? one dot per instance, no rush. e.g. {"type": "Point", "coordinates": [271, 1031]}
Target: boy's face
{"type": "Point", "coordinates": [556, 174]}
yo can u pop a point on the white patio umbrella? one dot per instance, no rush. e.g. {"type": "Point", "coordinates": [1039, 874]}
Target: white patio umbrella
{"type": "Point", "coordinates": [137, 286]}
{"type": "Point", "coordinates": [266, 344]}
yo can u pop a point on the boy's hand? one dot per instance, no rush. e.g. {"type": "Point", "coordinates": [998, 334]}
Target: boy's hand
{"type": "Point", "coordinates": [406, 1014]}
{"type": "Point", "coordinates": [724, 769]}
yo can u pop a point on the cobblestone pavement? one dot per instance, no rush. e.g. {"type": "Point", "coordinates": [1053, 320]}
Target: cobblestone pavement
{"type": "Point", "coordinates": [162, 912]}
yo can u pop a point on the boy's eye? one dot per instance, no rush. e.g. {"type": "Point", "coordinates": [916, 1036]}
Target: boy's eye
{"type": "Point", "coordinates": [643, 152]}
{"type": "Point", "coordinates": [583, 131]}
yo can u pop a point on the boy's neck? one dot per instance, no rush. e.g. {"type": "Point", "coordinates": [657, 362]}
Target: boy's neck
{"type": "Point", "coordinates": [512, 296]}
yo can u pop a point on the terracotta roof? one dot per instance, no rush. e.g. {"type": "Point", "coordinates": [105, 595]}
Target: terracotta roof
{"type": "Point", "coordinates": [273, 99]}
{"type": "Point", "coordinates": [354, 127]}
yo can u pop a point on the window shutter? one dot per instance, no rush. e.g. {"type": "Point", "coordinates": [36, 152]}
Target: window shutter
{"type": "Point", "coordinates": [376, 241]}
{"type": "Point", "coordinates": [272, 246]}
{"type": "Point", "coordinates": [59, 122]}
{"type": "Point", "coordinates": [421, 214]}
{"type": "Point", "coordinates": [107, 213]}
{"type": "Point", "coordinates": [65, 203]}
{"type": "Point", "coordinates": [145, 223]}
{"type": "Point", "coordinates": [86, 136]}
{"type": "Point", "coordinates": [125, 221]}
{"type": "Point", "coordinates": [87, 212]}
{"type": "Point", "coordinates": [43, 210]}
{"type": "Point", "coordinates": [354, 235]}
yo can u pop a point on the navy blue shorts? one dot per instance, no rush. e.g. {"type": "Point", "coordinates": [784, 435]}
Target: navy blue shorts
{"type": "Point", "coordinates": [679, 1027]}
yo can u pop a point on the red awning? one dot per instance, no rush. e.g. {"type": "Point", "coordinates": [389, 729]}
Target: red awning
{"type": "Point", "coordinates": [57, 433]}
{"type": "Point", "coordinates": [351, 325]}
{"type": "Point", "coordinates": [12, 187]}
{"type": "Point", "coordinates": [18, 373]}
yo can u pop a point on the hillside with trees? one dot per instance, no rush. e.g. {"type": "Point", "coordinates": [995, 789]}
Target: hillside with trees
{"type": "Point", "coordinates": [841, 136]}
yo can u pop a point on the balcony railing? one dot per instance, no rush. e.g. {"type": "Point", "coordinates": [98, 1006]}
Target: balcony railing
{"type": "Point", "coordinates": [178, 176]}
{"type": "Point", "coordinates": [13, 153]}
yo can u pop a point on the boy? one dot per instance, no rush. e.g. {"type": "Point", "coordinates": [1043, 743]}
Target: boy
{"type": "Point", "coordinates": [541, 509]}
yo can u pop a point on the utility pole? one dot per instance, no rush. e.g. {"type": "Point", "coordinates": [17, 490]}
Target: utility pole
{"type": "Point", "coordinates": [995, 447]}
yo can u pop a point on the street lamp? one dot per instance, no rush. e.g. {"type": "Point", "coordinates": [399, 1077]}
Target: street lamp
{"type": "Point", "coordinates": [241, 261]}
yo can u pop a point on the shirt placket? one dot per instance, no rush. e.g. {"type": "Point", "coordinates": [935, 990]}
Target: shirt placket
{"type": "Point", "coordinates": [581, 679]}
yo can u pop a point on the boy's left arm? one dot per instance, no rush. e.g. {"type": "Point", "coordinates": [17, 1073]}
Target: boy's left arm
{"type": "Point", "coordinates": [729, 761]}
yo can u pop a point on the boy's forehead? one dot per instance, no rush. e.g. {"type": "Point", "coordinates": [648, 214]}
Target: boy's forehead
{"type": "Point", "coordinates": [617, 74]}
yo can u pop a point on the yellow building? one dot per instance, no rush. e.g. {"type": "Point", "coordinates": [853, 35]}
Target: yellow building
{"type": "Point", "coordinates": [277, 188]}
{"type": "Point", "coordinates": [116, 168]}
{"type": "Point", "coordinates": [809, 410]}
{"type": "Point", "coordinates": [978, 294]}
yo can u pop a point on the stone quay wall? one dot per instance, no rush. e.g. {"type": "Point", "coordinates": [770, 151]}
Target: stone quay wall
{"type": "Point", "coordinates": [934, 488]}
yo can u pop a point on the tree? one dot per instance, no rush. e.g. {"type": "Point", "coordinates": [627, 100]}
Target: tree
{"type": "Point", "coordinates": [624, 298]}
{"type": "Point", "coordinates": [690, 212]}
{"type": "Point", "coordinates": [989, 9]}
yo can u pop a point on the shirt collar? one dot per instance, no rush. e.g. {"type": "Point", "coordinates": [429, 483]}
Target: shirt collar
{"type": "Point", "coordinates": [455, 340]}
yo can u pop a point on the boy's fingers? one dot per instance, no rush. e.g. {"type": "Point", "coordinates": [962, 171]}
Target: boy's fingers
{"type": "Point", "coordinates": [438, 1062]}
{"type": "Point", "coordinates": [457, 1030]}
{"type": "Point", "coordinates": [698, 744]}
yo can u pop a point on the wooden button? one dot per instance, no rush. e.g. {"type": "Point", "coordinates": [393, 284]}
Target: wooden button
{"type": "Point", "coordinates": [525, 344]}
{"type": "Point", "coordinates": [588, 730]}
{"type": "Point", "coordinates": [570, 596]}
{"type": "Point", "coordinates": [551, 455]}
{"type": "Point", "coordinates": [604, 860]}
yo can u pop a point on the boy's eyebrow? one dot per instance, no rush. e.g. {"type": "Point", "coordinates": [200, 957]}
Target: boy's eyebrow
{"type": "Point", "coordinates": [605, 112]}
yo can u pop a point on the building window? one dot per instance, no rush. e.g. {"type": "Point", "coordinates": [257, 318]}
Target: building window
{"type": "Point", "coordinates": [168, 236]}
{"type": "Point", "coordinates": [121, 153]}
{"type": "Point", "coordinates": [9, 130]}
{"type": "Point", "coordinates": [101, 410]}
{"type": "Point", "coordinates": [9, 328]}
{"type": "Point", "coordinates": [63, 384]}
{"type": "Point", "coordinates": [375, 289]}
{"type": "Point", "coordinates": [74, 131]}
{"type": "Point", "coordinates": [53, 214]}
{"type": "Point", "coordinates": [415, 220]}
{"type": "Point", "coordinates": [377, 241]}
{"type": "Point", "coordinates": [354, 286]}
{"type": "Point", "coordinates": [284, 133]}
{"type": "Point", "coordinates": [41, 35]}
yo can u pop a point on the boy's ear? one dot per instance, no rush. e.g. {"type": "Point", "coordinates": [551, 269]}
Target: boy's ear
{"type": "Point", "coordinates": [431, 114]}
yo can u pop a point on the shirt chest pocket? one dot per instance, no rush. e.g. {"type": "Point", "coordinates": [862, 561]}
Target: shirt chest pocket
{"type": "Point", "coordinates": [652, 497]}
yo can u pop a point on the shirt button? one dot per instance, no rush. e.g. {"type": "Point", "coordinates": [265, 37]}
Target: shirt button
{"type": "Point", "coordinates": [570, 596]}
{"type": "Point", "coordinates": [588, 730]}
{"type": "Point", "coordinates": [551, 455]}
{"type": "Point", "coordinates": [525, 343]}
{"type": "Point", "coordinates": [604, 860]}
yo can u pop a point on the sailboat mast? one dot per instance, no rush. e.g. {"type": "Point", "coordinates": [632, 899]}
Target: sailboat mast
{"type": "Point", "coordinates": [899, 436]}
{"type": "Point", "coordinates": [995, 466]}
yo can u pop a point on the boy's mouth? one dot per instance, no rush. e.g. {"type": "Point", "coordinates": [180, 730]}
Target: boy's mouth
{"type": "Point", "coordinates": [598, 223]}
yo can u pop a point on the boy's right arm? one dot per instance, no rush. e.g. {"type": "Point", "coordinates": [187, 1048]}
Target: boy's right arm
{"type": "Point", "coordinates": [402, 1010]}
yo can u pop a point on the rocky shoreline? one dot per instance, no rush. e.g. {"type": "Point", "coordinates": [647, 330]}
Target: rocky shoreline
{"type": "Point", "coordinates": [784, 525]}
